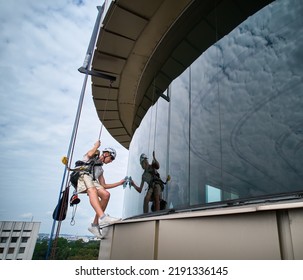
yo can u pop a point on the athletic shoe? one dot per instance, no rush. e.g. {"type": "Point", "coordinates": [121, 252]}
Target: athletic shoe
{"type": "Point", "coordinates": [107, 221]}
{"type": "Point", "coordinates": [113, 219]}
{"type": "Point", "coordinates": [94, 229]}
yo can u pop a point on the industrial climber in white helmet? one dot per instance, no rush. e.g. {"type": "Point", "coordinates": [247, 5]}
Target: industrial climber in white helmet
{"type": "Point", "coordinates": [92, 182]}
{"type": "Point", "coordinates": [155, 185]}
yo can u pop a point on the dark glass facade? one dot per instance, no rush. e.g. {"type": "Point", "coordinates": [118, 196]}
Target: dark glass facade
{"type": "Point", "coordinates": [233, 129]}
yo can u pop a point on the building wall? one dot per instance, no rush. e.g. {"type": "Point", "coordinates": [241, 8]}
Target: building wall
{"type": "Point", "coordinates": [18, 240]}
{"type": "Point", "coordinates": [231, 139]}
{"type": "Point", "coordinates": [245, 233]}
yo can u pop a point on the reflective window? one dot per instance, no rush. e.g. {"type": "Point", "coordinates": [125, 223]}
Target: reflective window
{"type": "Point", "coordinates": [21, 250]}
{"type": "Point", "coordinates": [246, 116]}
{"type": "Point", "coordinates": [152, 135]}
{"type": "Point", "coordinates": [11, 250]}
{"type": "Point", "coordinates": [233, 127]}
{"type": "Point", "coordinates": [14, 239]}
{"type": "Point", "coordinates": [24, 239]}
{"type": "Point", "coordinates": [3, 239]}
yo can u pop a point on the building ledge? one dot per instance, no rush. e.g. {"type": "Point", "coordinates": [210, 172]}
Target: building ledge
{"type": "Point", "coordinates": [231, 210]}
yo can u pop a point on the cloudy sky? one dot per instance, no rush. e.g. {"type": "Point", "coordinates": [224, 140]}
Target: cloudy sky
{"type": "Point", "coordinates": [43, 43]}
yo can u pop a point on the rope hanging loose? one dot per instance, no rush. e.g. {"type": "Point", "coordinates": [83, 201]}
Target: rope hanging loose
{"type": "Point", "coordinates": [65, 182]}
{"type": "Point", "coordinates": [155, 129]}
{"type": "Point", "coordinates": [151, 120]}
{"type": "Point", "coordinates": [103, 117]}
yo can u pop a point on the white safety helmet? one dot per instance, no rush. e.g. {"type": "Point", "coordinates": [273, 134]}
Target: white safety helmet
{"type": "Point", "coordinates": [143, 157]}
{"type": "Point", "coordinates": [111, 151]}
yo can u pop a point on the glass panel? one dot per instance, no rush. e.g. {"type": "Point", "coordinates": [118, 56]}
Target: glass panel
{"type": "Point", "coordinates": [3, 239]}
{"type": "Point", "coordinates": [233, 128]}
{"type": "Point", "coordinates": [11, 250]}
{"type": "Point", "coordinates": [14, 239]}
{"type": "Point", "coordinates": [21, 250]}
{"type": "Point", "coordinates": [150, 136]}
{"type": "Point", "coordinates": [212, 194]}
{"type": "Point", "coordinates": [24, 239]}
{"type": "Point", "coordinates": [247, 108]}
{"type": "Point", "coordinates": [178, 191]}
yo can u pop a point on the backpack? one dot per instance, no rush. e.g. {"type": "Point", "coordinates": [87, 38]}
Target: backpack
{"type": "Point", "coordinates": [75, 174]}
{"type": "Point", "coordinates": [60, 211]}
{"type": "Point", "coordinates": [73, 178]}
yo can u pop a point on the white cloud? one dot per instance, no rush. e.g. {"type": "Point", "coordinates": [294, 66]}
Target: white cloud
{"type": "Point", "coordinates": [26, 215]}
{"type": "Point", "coordinates": [43, 43]}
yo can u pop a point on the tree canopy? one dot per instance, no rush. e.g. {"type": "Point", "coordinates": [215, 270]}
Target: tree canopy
{"type": "Point", "coordinates": [69, 250]}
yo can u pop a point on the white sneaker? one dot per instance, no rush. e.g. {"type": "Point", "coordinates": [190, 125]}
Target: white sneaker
{"type": "Point", "coordinates": [94, 229]}
{"type": "Point", "coordinates": [113, 219]}
{"type": "Point", "coordinates": [107, 221]}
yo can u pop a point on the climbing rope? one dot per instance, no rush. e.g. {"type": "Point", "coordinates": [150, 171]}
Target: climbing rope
{"type": "Point", "coordinates": [51, 251]}
{"type": "Point", "coordinates": [103, 117]}
{"type": "Point", "coordinates": [155, 129]}
{"type": "Point", "coordinates": [151, 121]}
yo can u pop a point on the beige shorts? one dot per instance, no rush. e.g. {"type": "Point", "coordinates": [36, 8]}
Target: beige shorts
{"type": "Point", "coordinates": [85, 182]}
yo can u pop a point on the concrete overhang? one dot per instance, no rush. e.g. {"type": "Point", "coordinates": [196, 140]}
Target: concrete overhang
{"type": "Point", "coordinates": [146, 44]}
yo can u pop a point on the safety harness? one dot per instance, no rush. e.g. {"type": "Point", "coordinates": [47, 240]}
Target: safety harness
{"type": "Point", "coordinates": [82, 167]}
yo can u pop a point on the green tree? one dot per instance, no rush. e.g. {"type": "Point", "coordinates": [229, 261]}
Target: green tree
{"type": "Point", "coordinates": [40, 250]}
{"type": "Point", "coordinates": [68, 250]}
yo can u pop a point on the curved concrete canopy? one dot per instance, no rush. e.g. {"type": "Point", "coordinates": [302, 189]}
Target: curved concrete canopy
{"type": "Point", "coordinates": [147, 44]}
